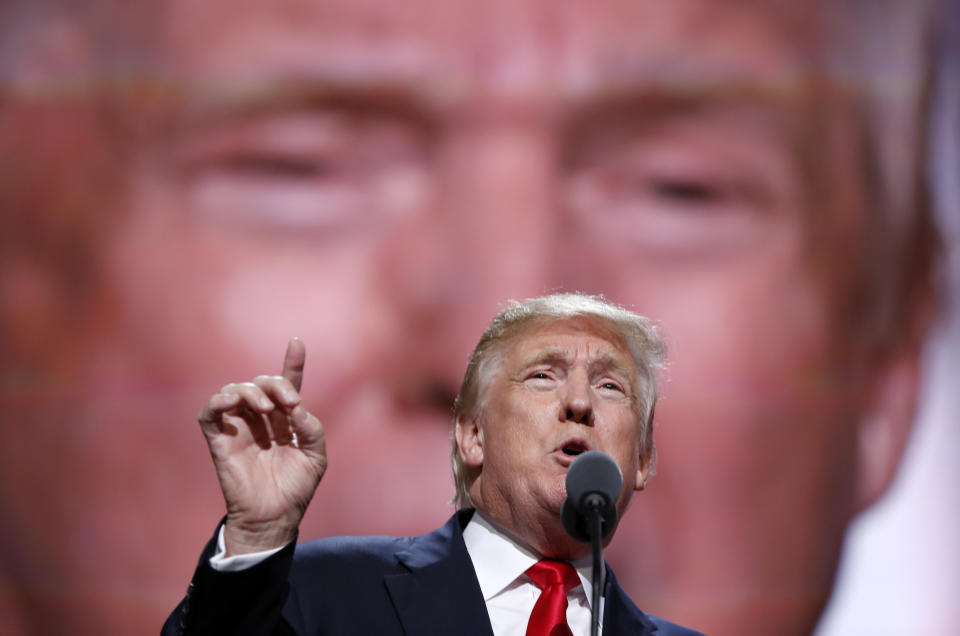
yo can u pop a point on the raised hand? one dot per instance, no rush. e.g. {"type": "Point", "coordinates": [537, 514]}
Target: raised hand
{"type": "Point", "coordinates": [269, 453]}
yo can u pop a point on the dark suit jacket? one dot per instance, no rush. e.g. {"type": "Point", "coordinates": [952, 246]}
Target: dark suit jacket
{"type": "Point", "coordinates": [366, 585]}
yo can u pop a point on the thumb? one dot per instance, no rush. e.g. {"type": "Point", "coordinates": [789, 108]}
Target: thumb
{"type": "Point", "coordinates": [309, 431]}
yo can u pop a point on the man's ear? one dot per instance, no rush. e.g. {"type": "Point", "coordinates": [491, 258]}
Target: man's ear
{"type": "Point", "coordinates": [469, 441]}
{"type": "Point", "coordinates": [641, 482]}
{"type": "Point", "coordinates": [646, 468]}
{"type": "Point", "coordinates": [885, 425]}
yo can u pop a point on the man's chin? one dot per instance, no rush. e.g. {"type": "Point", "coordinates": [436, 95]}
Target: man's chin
{"type": "Point", "coordinates": [560, 545]}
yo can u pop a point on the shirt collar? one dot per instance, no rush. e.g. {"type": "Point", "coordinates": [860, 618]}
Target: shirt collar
{"type": "Point", "coordinates": [499, 558]}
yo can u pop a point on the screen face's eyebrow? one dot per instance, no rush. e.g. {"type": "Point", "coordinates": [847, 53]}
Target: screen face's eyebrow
{"type": "Point", "coordinates": [582, 122]}
{"type": "Point", "coordinates": [413, 78]}
{"type": "Point", "coordinates": [775, 111]}
{"type": "Point", "coordinates": [201, 105]}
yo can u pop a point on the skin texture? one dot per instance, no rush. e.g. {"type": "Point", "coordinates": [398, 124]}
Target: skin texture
{"type": "Point", "coordinates": [377, 178]}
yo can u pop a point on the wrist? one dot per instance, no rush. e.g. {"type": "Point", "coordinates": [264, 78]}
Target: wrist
{"type": "Point", "coordinates": [245, 539]}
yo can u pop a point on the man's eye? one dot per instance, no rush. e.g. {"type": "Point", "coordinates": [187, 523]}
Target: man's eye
{"type": "Point", "coordinates": [540, 378]}
{"type": "Point", "coordinates": [680, 213]}
{"type": "Point", "coordinates": [694, 184]}
{"type": "Point", "coordinates": [612, 386]}
{"type": "Point", "coordinates": [272, 165]}
{"type": "Point", "coordinates": [642, 196]}
{"type": "Point", "coordinates": [686, 191]}
{"type": "Point", "coordinates": [305, 172]}
{"type": "Point", "coordinates": [642, 193]}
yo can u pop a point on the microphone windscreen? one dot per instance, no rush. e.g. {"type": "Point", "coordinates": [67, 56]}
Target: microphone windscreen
{"type": "Point", "coordinates": [593, 472]}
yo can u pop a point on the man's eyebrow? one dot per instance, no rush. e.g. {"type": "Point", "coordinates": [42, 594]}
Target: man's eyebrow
{"type": "Point", "coordinates": [642, 98]}
{"type": "Point", "coordinates": [551, 355]}
{"type": "Point", "coordinates": [689, 72]}
{"type": "Point", "coordinates": [603, 120]}
{"type": "Point", "coordinates": [602, 361]}
{"type": "Point", "coordinates": [607, 361]}
{"type": "Point", "coordinates": [201, 103]}
{"type": "Point", "coordinates": [616, 363]}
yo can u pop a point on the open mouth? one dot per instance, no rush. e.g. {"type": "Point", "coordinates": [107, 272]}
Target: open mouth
{"type": "Point", "coordinates": [573, 448]}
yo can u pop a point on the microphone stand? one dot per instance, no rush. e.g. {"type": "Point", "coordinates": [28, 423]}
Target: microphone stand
{"type": "Point", "coordinates": [593, 482]}
{"type": "Point", "coordinates": [594, 504]}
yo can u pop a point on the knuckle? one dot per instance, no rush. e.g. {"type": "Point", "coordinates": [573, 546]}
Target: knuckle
{"type": "Point", "coordinates": [236, 387]}
{"type": "Point", "coordinates": [245, 389]}
{"type": "Point", "coordinates": [207, 415]}
{"type": "Point", "coordinates": [266, 380]}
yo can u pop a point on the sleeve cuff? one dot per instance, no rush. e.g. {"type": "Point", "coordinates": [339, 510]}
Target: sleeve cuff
{"type": "Point", "coordinates": [222, 563]}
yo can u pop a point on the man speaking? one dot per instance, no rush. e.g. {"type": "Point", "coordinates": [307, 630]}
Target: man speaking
{"type": "Point", "coordinates": [551, 378]}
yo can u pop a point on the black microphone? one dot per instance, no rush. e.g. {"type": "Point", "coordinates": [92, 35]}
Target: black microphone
{"type": "Point", "coordinates": [593, 484]}
{"type": "Point", "coordinates": [589, 512]}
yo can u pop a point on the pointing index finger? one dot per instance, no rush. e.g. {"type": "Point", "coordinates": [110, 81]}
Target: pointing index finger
{"type": "Point", "coordinates": [293, 362]}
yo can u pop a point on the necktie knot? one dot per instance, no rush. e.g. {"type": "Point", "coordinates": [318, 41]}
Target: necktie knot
{"type": "Point", "coordinates": [555, 579]}
{"type": "Point", "coordinates": [548, 572]}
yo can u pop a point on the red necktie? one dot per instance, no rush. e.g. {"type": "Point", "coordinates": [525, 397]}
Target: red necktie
{"type": "Point", "coordinates": [549, 616]}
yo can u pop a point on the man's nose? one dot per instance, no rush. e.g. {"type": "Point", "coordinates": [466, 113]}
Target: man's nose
{"type": "Point", "coordinates": [577, 403]}
{"type": "Point", "coordinates": [487, 239]}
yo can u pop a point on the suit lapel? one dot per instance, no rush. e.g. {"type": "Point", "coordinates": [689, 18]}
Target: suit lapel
{"type": "Point", "coordinates": [439, 592]}
{"type": "Point", "coordinates": [620, 615]}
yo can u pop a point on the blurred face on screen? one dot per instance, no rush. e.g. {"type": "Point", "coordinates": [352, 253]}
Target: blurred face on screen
{"type": "Point", "coordinates": [378, 178]}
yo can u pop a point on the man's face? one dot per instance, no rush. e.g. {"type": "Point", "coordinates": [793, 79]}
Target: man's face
{"type": "Point", "coordinates": [377, 178]}
{"type": "Point", "coordinates": [558, 389]}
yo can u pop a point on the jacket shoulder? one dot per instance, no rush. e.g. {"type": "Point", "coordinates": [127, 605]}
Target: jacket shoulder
{"type": "Point", "coordinates": [344, 583]}
{"type": "Point", "coordinates": [622, 616]}
{"type": "Point", "coordinates": [667, 628]}
{"type": "Point", "coordinates": [350, 548]}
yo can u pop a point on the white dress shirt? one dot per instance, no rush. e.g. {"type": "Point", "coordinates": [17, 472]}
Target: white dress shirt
{"type": "Point", "coordinates": [499, 560]}
{"type": "Point", "coordinates": [223, 563]}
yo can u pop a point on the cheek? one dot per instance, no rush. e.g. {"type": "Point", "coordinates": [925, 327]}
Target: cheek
{"type": "Point", "coordinates": [624, 445]}
{"type": "Point", "coordinates": [755, 425]}
{"type": "Point", "coordinates": [278, 293]}
{"type": "Point", "coordinates": [514, 429]}
{"type": "Point", "coordinates": [757, 396]}
{"type": "Point", "coordinates": [754, 375]}
{"type": "Point", "coordinates": [757, 392]}
{"type": "Point", "coordinates": [197, 299]}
